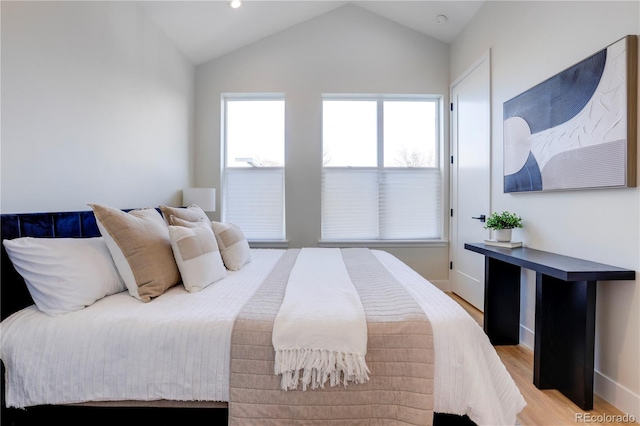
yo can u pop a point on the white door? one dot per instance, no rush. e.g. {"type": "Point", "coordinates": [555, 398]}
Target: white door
{"type": "Point", "coordinates": [470, 178]}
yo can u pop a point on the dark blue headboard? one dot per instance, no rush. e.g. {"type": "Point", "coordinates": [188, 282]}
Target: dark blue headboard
{"type": "Point", "coordinates": [13, 291]}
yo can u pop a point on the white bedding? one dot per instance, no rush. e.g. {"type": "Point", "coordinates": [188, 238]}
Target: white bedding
{"type": "Point", "coordinates": [177, 348]}
{"type": "Point", "coordinates": [469, 377]}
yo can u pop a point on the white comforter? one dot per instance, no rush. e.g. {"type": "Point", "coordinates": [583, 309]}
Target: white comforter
{"type": "Point", "coordinates": [177, 348]}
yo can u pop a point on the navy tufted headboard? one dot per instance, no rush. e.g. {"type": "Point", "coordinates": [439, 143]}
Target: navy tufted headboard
{"type": "Point", "coordinates": [13, 291]}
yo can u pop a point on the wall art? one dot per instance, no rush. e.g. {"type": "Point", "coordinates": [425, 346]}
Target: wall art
{"type": "Point", "coordinates": [578, 129]}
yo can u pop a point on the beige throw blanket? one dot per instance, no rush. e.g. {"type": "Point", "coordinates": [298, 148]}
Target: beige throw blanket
{"type": "Point", "coordinates": [400, 357]}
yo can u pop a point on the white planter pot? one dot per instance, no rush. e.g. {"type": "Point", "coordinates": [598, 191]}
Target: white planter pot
{"type": "Point", "coordinates": [502, 234]}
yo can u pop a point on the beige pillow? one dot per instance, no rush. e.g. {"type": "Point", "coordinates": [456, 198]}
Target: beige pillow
{"type": "Point", "coordinates": [196, 252]}
{"type": "Point", "coordinates": [187, 223]}
{"type": "Point", "coordinates": [141, 249]}
{"type": "Point", "coordinates": [234, 247]}
{"type": "Point", "coordinates": [192, 213]}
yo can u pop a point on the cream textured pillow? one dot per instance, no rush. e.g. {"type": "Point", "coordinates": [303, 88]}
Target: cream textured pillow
{"type": "Point", "coordinates": [64, 274]}
{"type": "Point", "coordinates": [196, 252]}
{"type": "Point", "coordinates": [141, 249]}
{"type": "Point", "coordinates": [192, 213]}
{"type": "Point", "coordinates": [234, 247]}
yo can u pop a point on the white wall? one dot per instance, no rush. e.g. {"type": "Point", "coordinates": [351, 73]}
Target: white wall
{"type": "Point", "coordinates": [348, 50]}
{"type": "Point", "coordinates": [97, 106]}
{"type": "Point", "coordinates": [530, 42]}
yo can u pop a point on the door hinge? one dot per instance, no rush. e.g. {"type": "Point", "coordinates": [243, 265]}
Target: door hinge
{"type": "Point", "coordinates": [451, 212]}
{"type": "Point", "coordinates": [451, 106]}
{"type": "Point", "coordinates": [450, 265]}
{"type": "Point", "coordinates": [452, 159]}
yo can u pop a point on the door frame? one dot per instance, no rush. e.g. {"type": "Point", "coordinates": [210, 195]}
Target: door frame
{"type": "Point", "coordinates": [453, 150]}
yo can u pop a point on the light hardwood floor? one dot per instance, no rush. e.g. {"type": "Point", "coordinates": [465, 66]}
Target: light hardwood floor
{"type": "Point", "coordinates": [544, 407]}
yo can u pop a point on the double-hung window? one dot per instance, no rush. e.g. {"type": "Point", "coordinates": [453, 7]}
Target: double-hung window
{"type": "Point", "coordinates": [381, 177]}
{"type": "Point", "coordinates": [253, 165]}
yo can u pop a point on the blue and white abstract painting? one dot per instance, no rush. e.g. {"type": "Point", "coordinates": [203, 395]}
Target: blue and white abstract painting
{"type": "Point", "coordinates": [570, 131]}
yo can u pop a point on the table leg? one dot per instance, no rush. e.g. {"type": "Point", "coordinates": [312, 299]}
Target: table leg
{"type": "Point", "coordinates": [501, 302]}
{"type": "Point", "coordinates": [565, 338]}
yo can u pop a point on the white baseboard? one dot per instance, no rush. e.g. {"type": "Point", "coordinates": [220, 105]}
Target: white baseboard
{"type": "Point", "coordinates": [443, 285]}
{"type": "Point", "coordinates": [617, 395]}
{"type": "Point", "coordinates": [614, 393]}
{"type": "Point", "coordinates": [527, 337]}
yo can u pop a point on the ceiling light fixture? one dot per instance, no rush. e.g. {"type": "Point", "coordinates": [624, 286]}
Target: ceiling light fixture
{"type": "Point", "coordinates": [234, 4]}
{"type": "Point", "coordinates": [441, 19]}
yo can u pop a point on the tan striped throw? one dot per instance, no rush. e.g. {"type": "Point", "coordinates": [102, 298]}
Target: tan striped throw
{"type": "Point", "coordinates": [399, 354]}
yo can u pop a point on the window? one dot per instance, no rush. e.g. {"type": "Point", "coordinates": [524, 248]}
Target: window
{"type": "Point", "coordinates": [253, 168]}
{"type": "Point", "coordinates": [380, 176]}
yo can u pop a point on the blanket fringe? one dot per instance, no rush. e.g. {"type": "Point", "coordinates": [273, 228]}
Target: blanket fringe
{"type": "Point", "coordinates": [318, 366]}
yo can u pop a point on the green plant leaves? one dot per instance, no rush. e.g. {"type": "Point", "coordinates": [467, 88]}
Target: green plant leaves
{"type": "Point", "coordinates": [504, 220]}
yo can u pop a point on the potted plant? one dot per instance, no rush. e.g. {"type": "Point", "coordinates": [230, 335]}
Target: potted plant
{"type": "Point", "coordinates": [502, 224]}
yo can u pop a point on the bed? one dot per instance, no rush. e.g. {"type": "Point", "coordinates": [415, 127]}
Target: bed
{"type": "Point", "coordinates": [183, 351]}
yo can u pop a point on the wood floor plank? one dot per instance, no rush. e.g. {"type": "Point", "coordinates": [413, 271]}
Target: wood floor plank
{"type": "Point", "coordinates": [544, 407]}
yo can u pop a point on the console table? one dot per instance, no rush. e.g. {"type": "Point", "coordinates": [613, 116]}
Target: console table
{"type": "Point", "coordinates": [565, 313]}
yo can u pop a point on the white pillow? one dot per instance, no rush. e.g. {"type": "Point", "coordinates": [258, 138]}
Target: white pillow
{"type": "Point", "coordinates": [196, 252]}
{"type": "Point", "coordinates": [65, 274]}
{"type": "Point", "coordinates": [234, 247]}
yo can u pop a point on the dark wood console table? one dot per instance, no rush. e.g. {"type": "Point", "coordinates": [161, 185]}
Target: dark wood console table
{"type": "Point", "coordinates": [565, 313]}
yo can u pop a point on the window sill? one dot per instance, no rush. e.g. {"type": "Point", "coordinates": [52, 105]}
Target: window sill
{"type": "Point", "coordinates": [276, 244]}
{"type": "Point", "coordinates": [383, 243]}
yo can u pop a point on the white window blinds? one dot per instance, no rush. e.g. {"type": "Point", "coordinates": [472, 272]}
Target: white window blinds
{"type": "Point", "coordinates": [381, 204]}
{"type": "Point", "coordinates": [254, 200]}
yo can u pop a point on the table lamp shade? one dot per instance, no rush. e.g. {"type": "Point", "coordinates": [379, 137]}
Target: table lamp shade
{"type": "Point", "coordinates": [205, 198]}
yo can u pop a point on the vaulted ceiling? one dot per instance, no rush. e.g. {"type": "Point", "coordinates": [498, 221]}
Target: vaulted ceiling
{"type": "Point", "coordinates": [207, 29]}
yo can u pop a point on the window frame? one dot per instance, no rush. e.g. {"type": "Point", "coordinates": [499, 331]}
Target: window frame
{"type": "Point", "coordinates": [269, 96]}
{"type": "Point", "coordinates": [439, 166]}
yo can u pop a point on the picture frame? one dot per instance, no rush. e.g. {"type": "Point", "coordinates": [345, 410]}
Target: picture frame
{"type": "Point", "coordinates": [577, 129]}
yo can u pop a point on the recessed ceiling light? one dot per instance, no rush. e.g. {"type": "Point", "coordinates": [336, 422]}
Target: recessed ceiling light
{"type": "Point", "coordinates": [441, 19]}
{"type": "Point", "coordinates": [234, 4]}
